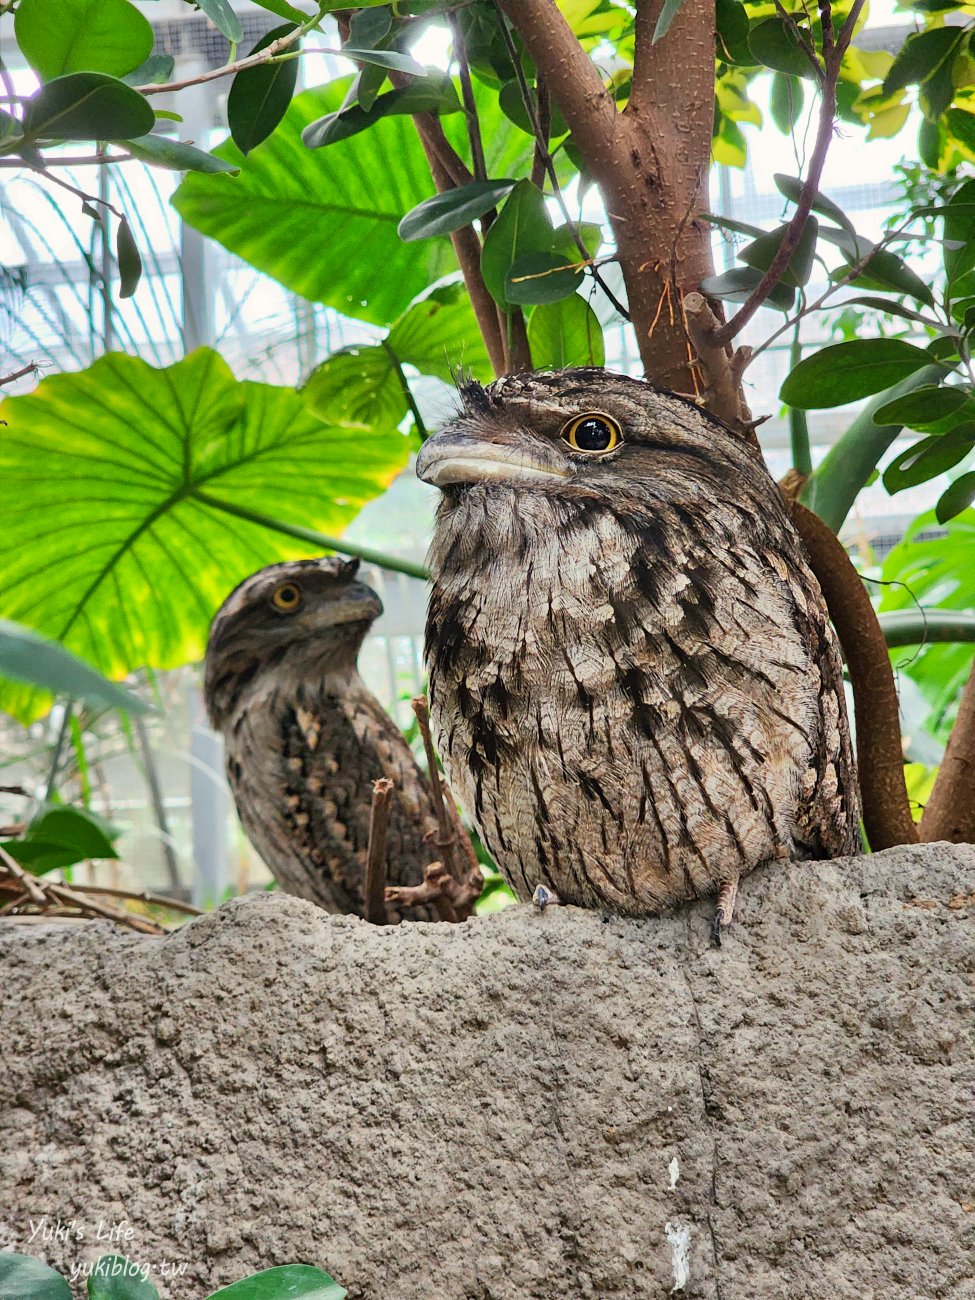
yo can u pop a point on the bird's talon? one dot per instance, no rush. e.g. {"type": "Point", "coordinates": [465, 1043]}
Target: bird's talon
{"type": "Point", "coordinates": [544, 897]}
{"type": "Point", "coordinates": [716, 925]}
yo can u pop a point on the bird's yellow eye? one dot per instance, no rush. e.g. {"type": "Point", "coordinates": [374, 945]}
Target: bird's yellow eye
{"type": "Point", "coordinates": [287, 597]}
{"type": "Point", "coordinates": [592, 433]}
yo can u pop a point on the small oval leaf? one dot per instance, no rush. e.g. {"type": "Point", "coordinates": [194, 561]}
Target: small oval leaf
{"type": "Point", "coordinates": [87, 106]}
{"type": "Point", "coordinates": [924, 406]}
{"type": "Point", "coordinates": [453, 209]}
{"type": "Point", "coordinates": [956, 498]}
{"type": "Point", "coordinates": [129, 260]}
{"type": "Point", "coordinates": [260, 97]}
{"type": "Point", "coordinates": [848, 371]}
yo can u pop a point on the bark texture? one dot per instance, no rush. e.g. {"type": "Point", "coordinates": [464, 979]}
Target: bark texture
{"type": "Point", "coordinates": [521, 1106]}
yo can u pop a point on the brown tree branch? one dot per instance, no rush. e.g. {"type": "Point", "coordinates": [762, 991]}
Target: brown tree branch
{"type": "Point", "coordinates": [375, 905]}
{"type": "Point", "coordinates": [886, 809]}
{"type": "Point", "coordinates": [832, 58]}
{"type": "Point", "coordinates": [30, 369]}
{"type": "Point", "coordinates": [950, 811]}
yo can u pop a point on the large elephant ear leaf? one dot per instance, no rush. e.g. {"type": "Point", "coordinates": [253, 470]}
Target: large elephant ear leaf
{"type": "Point", "coordinates": [140, 469]}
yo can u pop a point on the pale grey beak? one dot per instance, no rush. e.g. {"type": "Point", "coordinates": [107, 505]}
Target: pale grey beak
{"type": "Point", "coordinates": [454, 457]}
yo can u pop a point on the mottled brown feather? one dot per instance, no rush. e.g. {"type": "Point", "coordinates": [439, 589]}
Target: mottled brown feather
{"type": "Point", "coordinates": [634, 685]}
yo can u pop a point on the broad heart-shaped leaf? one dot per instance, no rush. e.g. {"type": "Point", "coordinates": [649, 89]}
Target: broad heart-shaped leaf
{"type": "Point", "coordinates": [116, 1278]}
{"type": "Point", "coordinates": [82, 36]}
{"type": "Point", "coordinates": [565, 333]}
{"type": "Point", "coordinates": [453, 209]}
{"type": "Point", "coordinates": [846, 372]}
{"type": "Point", "coordinates": [292, 1282]}
{"type": "Point", "coordinates": [87, 106]}
{"type": "Point", "coordinates": [324, 223]}
{"type": "Point", "coordinates": [357, 388]}
{"type": "Point", "coordinates": [60, 836]}
{"type": "Point", "coordinates": [259, 97]}
{"type": "Point", "coordinates": [24, 1278]}
{"type": "Point", "coordinates": [321, 222]}
{"type": "Point", "coordinates": [924, 406]}
{"type": "Point", "coordinates": [114, 539]}
{"type": "Point", "coordinates": [439, 336]}
{"type": "Point", "coordinates": [27, 657]}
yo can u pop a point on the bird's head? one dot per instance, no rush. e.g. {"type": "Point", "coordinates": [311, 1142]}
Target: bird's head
{"type": "Point", "coordinates": [297, 620]}
{"type": "Point", "coordinates": [581, 433]}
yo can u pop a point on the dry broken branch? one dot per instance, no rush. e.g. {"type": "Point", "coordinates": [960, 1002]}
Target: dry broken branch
{"type": "Point", "coordinates": [375, 908]}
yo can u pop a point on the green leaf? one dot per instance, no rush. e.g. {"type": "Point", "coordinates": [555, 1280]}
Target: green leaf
{"type": "Point", "coordinates": [774, 44]}
{"type": "Point", "coordinates": [565, 333]}
{"type": "Point", "coordinates": [116, 1278]}
{"type": "Point", "coordinates": [56, 37]}
{"type": "Point", "coordinates": [129, 260]}
{"type": "Point", "coordinates": [849, 463]}
{"type": "Point", "coordinates": [929, 458]}
{"type": "Point", "coordinates": [292, 1282]}
{"type": "Point", "coordinates": [791, 188]}
{"type": "Point", "coordinates": [435, 94]}
{"type": "Point", "coordinates": [357, 388]}
{"type": "Point", "coordinates": [512, 104]}
{"type": "Point", "coordinates": [786, 101]}
{"type": "Point", "coordinates": [888, 271]}
{"type": "Point", "coordinates": [134, 463]}
{"type": "Point", "coordinates": [732, 32]}
{"type": "Point", "coordinates": [62, 835]}
{"type": "Point", "coordinates": [761, 252]}
{"type": "Point", "coordinates": [453, 209]}
{"type": "Point", "coordinates": [439, 336]}
{"type": "Point", "coordinates": [522, 227]}
{"type": "Point", "coordinates": [156, 71]}
{"type": "Point", "coordinates": [959, 225]}
{"type": "Point", "coordinates": [961, 125]}
{"type": "Point", "coordinates": [956, 498]}
{"type": "Point", "coordinates": [23, 1278]}
{"type": "Point", "coordinates": [27, 657]}
{"type": "Point", "coordinates": [172, 154]}
{"type": "Point", "coordinates": [735, 286]}
{"type": "Point", "coordinates": [259, 97]}
{"type": "Point", "coordinates": [903, 627]}
{"type": "Point", "coordinates": [281, 9]}
{"type": "Point", "coordinates": [390, 59]}
{"type": "Point", "coordinates": [923, 406]}
{"type": "Point", "coordinates": [87, 106]}
{"type": "Point", "coordinates": [846, 372]}
{"type": "Point", "coordinates": [668, 13]}
{"type": "Point", "coordinates": [888, 305]}
{"type": "Point", "coordinates": [919, 58]}
{"type": "Point", "coordinates": [541, 278]}
{"type": "Point", "coordinates": [736, 227]}
{"type": "Point", "coordinates": [322, 223]}
{"type": "Point", "coordinates": [223, 18]}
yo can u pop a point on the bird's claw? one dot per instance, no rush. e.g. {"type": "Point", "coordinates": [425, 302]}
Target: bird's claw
{"type": "Point", "coordinates": [544, 897]}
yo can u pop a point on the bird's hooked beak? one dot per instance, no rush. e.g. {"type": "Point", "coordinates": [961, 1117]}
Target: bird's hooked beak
{"type": "Point", "coordinates": [456, 457]}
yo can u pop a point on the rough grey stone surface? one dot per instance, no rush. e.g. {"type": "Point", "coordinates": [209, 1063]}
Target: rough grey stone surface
{"type": "Point", "coordinates": [521, 1106]}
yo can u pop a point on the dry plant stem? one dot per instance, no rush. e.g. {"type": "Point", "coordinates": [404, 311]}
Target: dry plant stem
{"type": "Point", "coordinates": [721, 367]}
{"type": "Point", "coordinates": [88, 905]}
{"type": "Point", "coordinates": [886, 809]}
{"type": "Point", "coordinates": [27, 882]}
{"type": "Point", "coordinates": [382, 793]}
{"type": "Point", "coordinates": [30, 369]}
{"type": "Point", "coordinates": [153, 900]}
{"type": "Point", "coordinates": [950, 811]}
{"type": "Point", "coordinates": [458, 852]}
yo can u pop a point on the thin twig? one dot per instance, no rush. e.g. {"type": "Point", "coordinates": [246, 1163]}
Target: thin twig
{"type": "Point", "coordinates": [154, 900]}
{"type": "Point", "coordinates": [375, 909]}
{"type": "Point", "coordinates": [65, 894]}
{"type": "Point", "coordinates": [446, 837]}
{"type": "Point", "coordinates": [23, 878]}
{"type": "Point", "coordinates": [470, 106]}
{"type": "Point", "coordinates": [32, 368]}
{"type": "Point", "coordinates": [230, 69]}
